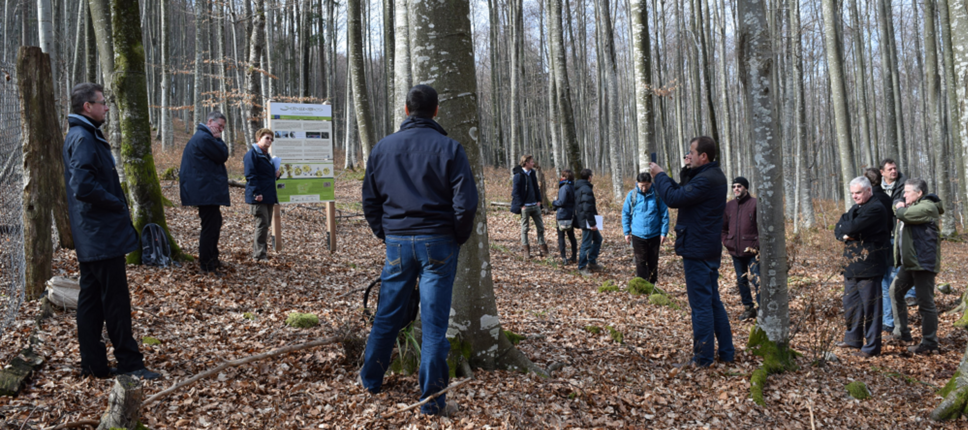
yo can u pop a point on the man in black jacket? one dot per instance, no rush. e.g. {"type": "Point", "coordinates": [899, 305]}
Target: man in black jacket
{"type": "Point", "coordinates": [204, 183]}
{"type": "Point", "coordinates": [865, 233]}
{"type": "Point", "coordinates": [585, 211]}
{"type": "Point", "coordinates": [526, 200]}
{"type": "Point", "coordinates": [103, 234]}
{"type": "Point", "coordinates": [892, 183]}
{"type": "Point", "coordinates": [419, 197]}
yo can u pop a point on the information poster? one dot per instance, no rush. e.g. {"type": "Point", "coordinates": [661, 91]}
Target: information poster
{"type": "Point", "coordinates": [304, 144]}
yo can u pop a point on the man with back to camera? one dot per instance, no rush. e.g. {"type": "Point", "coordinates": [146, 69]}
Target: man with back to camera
{"type": "Point", "coordinates": [741, 237]}
{"type": "Point", "coordinates": [204, 182]}
{"type": "Point", "coordinates": [526, 200]}
{"type": "Point", "coordinates": [419, 196]}
{"type": "Point", "coordinates": [701, 203]}
{"type": "Point", "coordinates": [892, 183]}
{"type": "Point", "coordinates": [103, 234]}
{"type": "Point", "coordinates": [863, 229]}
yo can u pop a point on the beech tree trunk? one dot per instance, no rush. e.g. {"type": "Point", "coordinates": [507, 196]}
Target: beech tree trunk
{"type": "Point", "coordinates": [567, 117]}
{"type": "Point", "coordinates": [166, 129]}
{"type": "Point", "coordinates": [888, 69]}
{"type": "Point", "coordinates": [361, 96]}
{"type": "Point", "coordinates": [402, 75]}
{"type": "Point", "coordinates": [642, 60]}
{"type": "Point", "coordinates": [253, 74]}
{"type": "Point", "coordinates": [838, 92]}
{"type": "Point", "coordinates": [124, 404]}
{"type": "Point", "coordinates": [804, 214]}
{"type": "Point", "coordinates": [933, 84]}
{"type": "Point", "coordinates": [474, 317]}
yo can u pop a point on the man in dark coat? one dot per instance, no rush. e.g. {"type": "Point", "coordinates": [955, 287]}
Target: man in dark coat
{"type": "Point", "coordinates": [699, 225]}
{"type": "Point", "coordinates": [419, 197]}
{"type": "Point", "coordinates": [526, 200]}
{"type": "Point", "coordinates": [204, 183]}
{"type": "Point", "coordinates": [103, 234]}
{"type": "Point", "coordinates": [741, 237]}
{"type": "Point", "coordinates": [585, 210]}
{"type": "Point", "coordinates": [864, 232]}
{"type": "Point", "coordinates": [892, 183]}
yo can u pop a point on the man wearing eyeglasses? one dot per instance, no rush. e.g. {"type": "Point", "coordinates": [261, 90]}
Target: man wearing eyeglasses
{"type": "Point", "coordinates": [103, 234]}
{"type": "Point", "coordinates": [204, 183]}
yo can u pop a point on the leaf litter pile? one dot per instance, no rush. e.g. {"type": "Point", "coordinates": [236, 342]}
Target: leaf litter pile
{"type": "Point", "coordinates": [613, 351]}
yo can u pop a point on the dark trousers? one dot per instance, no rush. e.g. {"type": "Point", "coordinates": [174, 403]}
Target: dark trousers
{"type": "Point", "coordinates": [747, 269]}
{"type": "Point", "coordinates": [263, 216]}
{"type": "Point", "coordinates": [710, 324]}
{"type": "Point", "coordinates": [571, 238]}
{"type": "Point", "coordinates": [646, 253]}
{"type": "Point", "coordinates": [211, 216]}
{"type": "Point", "coordinates": [923, 283]}
{"type": "Point", "coordinates": [104, 298]}
{"type": "Point", "coordinates": [863, 312]}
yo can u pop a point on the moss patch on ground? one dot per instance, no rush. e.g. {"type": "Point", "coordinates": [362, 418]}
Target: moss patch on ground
{"type": "Point", "coordinates": [513, 337]}
{"type": "Point", "coordinates": [593, 329]}
{"type": "Point", "coordinates": [608, 287]}
{"type": "Point", "coordinates": [639, 286]}
{"type": "Point", "coordinates": [148, 340]}
{"type": "Point", "coordinates": [616, 335]}
{"type": "Point", "coordinates": [299, 320]}
{"type": "Point", "coordinates": [660, 299]}
{"type": "Point", "coordinates": [858, 390]}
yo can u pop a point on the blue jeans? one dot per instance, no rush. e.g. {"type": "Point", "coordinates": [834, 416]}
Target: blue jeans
{"type": "Point", "coordinates": [709, 317]}
{"type": "Point", "coordinates": [747, 269]}
{"type": "Point", "coordinates": [888, 316]}
{"type": "Point", "coordinates": [434, 260]}
{"type": "Point", "coordinates": [591, 244]}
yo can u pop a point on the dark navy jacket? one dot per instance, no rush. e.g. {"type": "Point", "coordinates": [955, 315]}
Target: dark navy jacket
{"type": "Point", "coordinates": [701, 203]}
{"type": "Point", "coordinates": [100, 221]}
{"type": "Point", "coordinates": [419, 182]}
{"type": "Point", "coordinates": [585, 206]}
{"type": "Point", "coordinates": [202, 177]}
{"type": "Point", "coordinates": [260, 177]}
{"type": "Point", "coordinates": [566, 201]}
{"type": "Point", "coordinates": [524, 189]}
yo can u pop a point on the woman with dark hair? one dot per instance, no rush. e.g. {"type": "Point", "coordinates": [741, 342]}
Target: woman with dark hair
{"type": "Point", "coordinates": [645, 222]}
{"type": "Point", "coordinates": [566, 216]}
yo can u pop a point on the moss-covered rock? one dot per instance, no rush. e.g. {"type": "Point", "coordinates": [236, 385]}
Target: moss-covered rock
{"type": "Point", "coordinates": [660, 299]}
{"type": "Point", "coordinates": [639, 286]}
{"type": "Point", "coordinates": [858, 390]}
{"type": "Point", "coordinates": [616, 335]}
{"type": "Point", "coordinates": [148, 340]}
{"type": "Point", "coordinates": [300, 320]}
{"type": "Point", "coordinates": [513, 337]}
{"type": "Point", "coordinates": [593, 329]}
{"type": "Point", "coordinates": [608, 287]}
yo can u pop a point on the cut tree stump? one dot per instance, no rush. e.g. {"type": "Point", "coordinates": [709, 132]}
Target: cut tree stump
{"type": "Point", "coordinates": [124, 404]}
{"type": "Point", "coordinates": [16, 374]}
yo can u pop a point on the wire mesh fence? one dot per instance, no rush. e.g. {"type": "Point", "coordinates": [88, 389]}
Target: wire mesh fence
{"type": "Point", "coordinates": [11, 200]}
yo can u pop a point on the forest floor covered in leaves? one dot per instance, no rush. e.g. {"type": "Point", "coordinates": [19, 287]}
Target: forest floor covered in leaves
{"type": "Point", "coordinates": [202, 321]}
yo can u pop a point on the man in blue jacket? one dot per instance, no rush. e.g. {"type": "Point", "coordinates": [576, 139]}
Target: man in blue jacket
{"type": "Point", "coordinates": [701, 203]}
{"type": "Point", "coordinates": [419, 197]}
{"type": "Point", "coordinates": [205, 183]}
{"type": "Point", "coordinates": [645, 222]}
{"type": "Point", "coordinates": [103, 234]}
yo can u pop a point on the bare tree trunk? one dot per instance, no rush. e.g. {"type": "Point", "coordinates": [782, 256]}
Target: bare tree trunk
{"type": "Point", "coordinates": [497, 131]}
{"type": "Point", "coordinates": [253, 76]}
{"type": "Point", "coordinates": [613, 128]}
{"type": "Point", "coordinates": [361, 97]}
{"type": "Point", "coordinates": [199, 115]}
{"type": "Point", "coordinates": [933, 84]}
{"type": "Point", "coordinates": [804, 197]}
{"type": "Point", "coordinates": [167, 130]}
{"type": "Point", "coordinates": [101, 21]}
{"type": "Point", "coordinates": [838, 89]}
{"type": "Point", "coordinates": [953, 104]}
{"type": "Point", "coordinates": [888, 69]}
{"type": "Point", "coordinates": [860, 84]}
{"type": "Point", "coordinates": [517, 56]}
{"type": "Point", "coordinates": [568, 137]}
{"type": "Point", "coordinates": [642, 54]}
{"type": "Point", "coordinates": [474, 316]}
{"type": "Point", "coordinates": [223, 97]}
{"type": "Point", "coordinates": [401, 60]}
{"type": "Point", "coordinates": [726, 145]}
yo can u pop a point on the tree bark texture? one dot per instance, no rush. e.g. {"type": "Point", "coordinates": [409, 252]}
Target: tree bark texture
{"type": "Point", "coordinates": [124, 404]}
{"type": "Point", "coordinates": [402, 74]}
{"type": "Point", "coordinates": [958, 18]}
{"type": "Point", "coordinates": [933, 84]}
{"type": "Point", "coordinates": [569, 137]}
{"type": "Point", "coordinates": [167, 131]}
{"type": "Point", "coordinates": [361, 97]}
{"type": "Point", "coordinates": [838, 93]}
{"type": "Point", "coordinates": [443, 52]}
{"type": "Point", "coordinates": [804, 198]}
{"type": "Point", "coordinates": [642, 60]}
{"type": "Point", "coordinates": [253, 73]}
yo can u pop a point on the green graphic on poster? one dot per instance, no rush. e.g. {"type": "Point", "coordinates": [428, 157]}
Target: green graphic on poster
{"type": "Point", "coordinates": [305, 190]}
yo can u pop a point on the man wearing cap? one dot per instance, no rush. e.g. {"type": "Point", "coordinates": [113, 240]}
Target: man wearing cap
{"type": "Point", "coordinates": [740, 236]}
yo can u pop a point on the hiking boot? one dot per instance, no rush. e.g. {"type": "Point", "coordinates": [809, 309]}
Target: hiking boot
{"type": "Point", "coordinates": [144, 374]}
{"type": "Point", "coordinates": [923, 349]}
{"type": "Point", "coordinates": [891, 338]}
{"type": "Point", "coordinates": [889, 329]}
{"type": "Point", "coordinates": [543, 249]}
{"type": "Point", "coordinates": [749, 313]}
{"type": "Point", "coordinates": [450, 408]}
{"type": "Point", "coordinates": [595, 267]}
{"type": "Point", "coordinates": [585, 272]}
{"type": "Point", "coordinates": [845, 345]}
{"type": "Point", "coordinates": [861, 354]}
{"type": "Point", "coordinates": [573, 260]}
{"type": "Point", "coordinates": [526, 252]}
{"type": "Point", "coordinates": [911, 301]}
{"type": "Point", "coordinates": [111, 372]}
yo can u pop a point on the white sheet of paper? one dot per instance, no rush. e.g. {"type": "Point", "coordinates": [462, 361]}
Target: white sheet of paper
{"type": "Point", "coordinates": [598, 222]}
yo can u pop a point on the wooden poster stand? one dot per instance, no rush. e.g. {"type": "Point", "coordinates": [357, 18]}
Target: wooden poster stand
{"type": "Point", "coordinates": [276, 224]}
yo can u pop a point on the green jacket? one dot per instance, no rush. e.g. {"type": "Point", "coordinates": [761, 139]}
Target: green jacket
{"type": "Point", "coordinates": [917, 242]}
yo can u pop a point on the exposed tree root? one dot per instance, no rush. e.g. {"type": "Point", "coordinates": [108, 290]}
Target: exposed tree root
{"type": "Point", "coordinates": [777, 358]}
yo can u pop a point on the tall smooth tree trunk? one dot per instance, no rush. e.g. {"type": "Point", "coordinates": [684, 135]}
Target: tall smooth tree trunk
{"type": "Point", "coordinates": [198, 116]}
{"type": "Point", "coordinates": [726, 144]}
{"type": "Point", "coordinates": [804, 197]}
{"type": "Point", "coordinates": [953, 104]}
{"type": "Point", "coordinates": [497, 132]}
{"type": "Point", "coordinates": [361, 97]}
{"type": "Point", "coordinates": [227, 134]}
{"type": "Point", "coordinates": [933, 84]}
{"type": "Point", "coordinates": [642, 62]}
{"type": "Point", "coordinates": [45, 26]}
{"type": "Point", "coordinates": [131, 93]}
{"type": "Point", "coordinates": [517, 101]}
{"type": "Point", "coordinates": [613, 128]}
{"type": "Point", "coordinates": [567, 118]}
{"type": "Point", "coordinates": [165, 127]}
{"type": "Point", "coordinates": [402, 74]}
{"type": "Point", "coordinates": [838, 91]}
{"type": "Point", "coordinates": [771, 337]}
{"type": "Point", "coordinates": [888, 68]}
{"type": "Point", "coordinates": [707, 73]}
{"type": "Point", "coordinates": [475, 322]}
{"type": "Point", "coordinates": [860, 84]}
{"type": "Point", "coordinates": [101, 21]}
{"type": "Point", "coordinates": [253, 74]}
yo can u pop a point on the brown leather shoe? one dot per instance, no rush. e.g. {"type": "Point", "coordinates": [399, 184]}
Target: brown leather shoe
{"type": "Point", "coordinates": [526, 252]}
{"type": "Point", "coordinates": [544, 249]}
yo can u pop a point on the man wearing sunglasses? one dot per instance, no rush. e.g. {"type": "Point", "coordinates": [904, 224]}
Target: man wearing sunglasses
{"type": "Point", "coordinates": [741, 238]}
{"type": "Point", "coordinates": [204, 183]}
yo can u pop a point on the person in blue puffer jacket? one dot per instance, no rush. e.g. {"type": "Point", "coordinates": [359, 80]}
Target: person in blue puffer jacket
{"type": "Point", "coordinates": [565, 216]}
{"type": "Point", "coordinates": [645, 223]}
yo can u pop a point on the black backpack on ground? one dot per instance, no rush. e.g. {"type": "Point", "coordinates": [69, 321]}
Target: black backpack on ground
{"type": "Point", "coordinates": [155, 249]}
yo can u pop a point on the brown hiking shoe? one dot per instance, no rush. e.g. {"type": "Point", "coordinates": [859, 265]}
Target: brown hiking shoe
{"type": "Point", "coordinates": [544, 249]}
{"type": "Point", "coordinates": [526, 252]}
{"type": "Point", "coordinates": [923, 349]}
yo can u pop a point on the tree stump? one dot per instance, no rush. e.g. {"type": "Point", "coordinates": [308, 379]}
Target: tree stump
{"type": "Point", "coordinates": [124, 404]}
{"type": "Point", "coordinates": [13, 377]}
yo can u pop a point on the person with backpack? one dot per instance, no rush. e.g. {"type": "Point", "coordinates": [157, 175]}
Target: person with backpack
{"type": "Point", "coordinates": [526, 200]}
{"type": "Point", "coordinates": [260, 189]}
{"type": "Point", "coordinates": [645, 223]}
{"type": "Point", "coordinates": [204, 183]}
{"type": "Point", "coordinates": [103, 234]}
{"type": "Point", "coordinates": [565, 216]}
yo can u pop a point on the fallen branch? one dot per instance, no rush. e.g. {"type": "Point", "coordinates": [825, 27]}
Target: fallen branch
{"type": "Point", "coordinates": [234, 183]}
{"type": "Point", "coordinates": [239, 362]}
{"type": "Point", "coordinates": [424, 401]}
{"type": "Point", "coordinates": [92, 423]}
{"type": "Point", "coordinates": [501, 204]}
